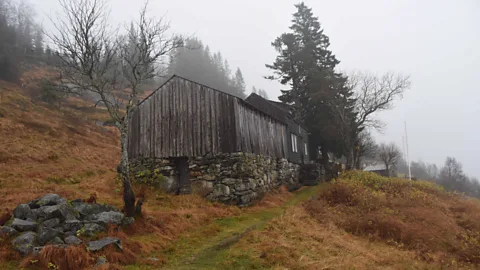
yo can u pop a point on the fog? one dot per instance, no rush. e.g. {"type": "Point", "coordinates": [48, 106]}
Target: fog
{"type": "Point", "coordinates": [435, 42]}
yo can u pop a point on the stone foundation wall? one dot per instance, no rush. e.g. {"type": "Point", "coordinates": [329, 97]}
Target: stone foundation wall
{"type": "Point", "coordinates": [234, 178]}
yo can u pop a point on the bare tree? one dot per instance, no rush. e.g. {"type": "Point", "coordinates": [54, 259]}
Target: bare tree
{"type": "Point", "coordinates": [111, 67]}
{"type": "Point", "coordinates": [389, 154]}
{"type": "Point", "coordinates": [372, 94]}
{"type": "Point", "coordinates": [365, 148]}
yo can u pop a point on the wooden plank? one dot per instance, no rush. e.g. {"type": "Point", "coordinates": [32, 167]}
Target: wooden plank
{"type": "Point", "coordinates": [189, 138]}
{"type": "Point", "coordinates": [214, 122]}
{"type": "Point", "coordinates": [181, 119]}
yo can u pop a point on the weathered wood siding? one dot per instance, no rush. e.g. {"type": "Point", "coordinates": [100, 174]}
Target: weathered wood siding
{"type": "Point", "coordinates": [259, 133]}
{"type": "Point", "coordinates": [184, 118]}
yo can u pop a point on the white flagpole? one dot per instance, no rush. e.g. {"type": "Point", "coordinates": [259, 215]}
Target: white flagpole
{"type": "Point", "coordinates": [408, 156]}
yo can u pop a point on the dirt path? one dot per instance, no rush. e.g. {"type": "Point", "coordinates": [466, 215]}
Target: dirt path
{"type": "Point", "coordinates": [204, 248]}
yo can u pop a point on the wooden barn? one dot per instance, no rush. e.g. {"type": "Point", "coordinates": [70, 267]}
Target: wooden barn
{"type": "Point", "coordinates": [187, 119]}
{"type": "Point", "coordinates": [296, 133]}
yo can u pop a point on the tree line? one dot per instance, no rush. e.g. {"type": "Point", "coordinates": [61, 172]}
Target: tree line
{"type": "Point", "coordinates": [195, 61]}
{"type": "Point", "coordinates": [22, 40]}
{"type": "Point", "coordinates": [451, 175]}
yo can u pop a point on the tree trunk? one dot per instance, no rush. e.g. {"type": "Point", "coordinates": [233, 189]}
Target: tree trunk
{"type": "Point", "coordinates": [330, 171]}
{"type": "Point", "coordinates": [350, 159]}
{"type": "Point", "coordinates": [358, 163]}
{"type": "Point", "coordinates": [388, 169]}
{"type": "Point", "coordinates": [128, 194]}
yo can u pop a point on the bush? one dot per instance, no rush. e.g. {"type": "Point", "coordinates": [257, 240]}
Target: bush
{"type": "Point", "coordinates": [50, 94]}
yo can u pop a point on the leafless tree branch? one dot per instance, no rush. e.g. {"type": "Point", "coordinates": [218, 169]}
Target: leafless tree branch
{"type": "Point", "coordinates": [111, 68]}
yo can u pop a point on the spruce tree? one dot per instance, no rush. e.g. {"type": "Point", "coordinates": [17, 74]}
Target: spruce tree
{"type": "Point", "coordinates": [307, 66]}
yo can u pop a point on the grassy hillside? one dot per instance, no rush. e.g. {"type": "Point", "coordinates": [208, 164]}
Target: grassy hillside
{"type": "Point", "coordinates": [360, 221]}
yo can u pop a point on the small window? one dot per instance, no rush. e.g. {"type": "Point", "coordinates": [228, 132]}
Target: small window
{"type": "Point", "coordinates": [306, 149]}
{"type": "Point", "coordinates": [294, 143]}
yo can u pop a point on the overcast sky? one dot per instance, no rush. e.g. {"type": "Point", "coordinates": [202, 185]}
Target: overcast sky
{"type": "Point", "coordinates": [436, 42]}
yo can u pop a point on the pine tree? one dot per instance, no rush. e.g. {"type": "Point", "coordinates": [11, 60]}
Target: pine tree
{"type": "Point", "coordinates": [307, 66]}
{"type": "Point", "coordinates": [196, 62]}
{"type": "Point", "coordinates": [240, 86]}
{"type": "Point", "coordinates": [263, 93]}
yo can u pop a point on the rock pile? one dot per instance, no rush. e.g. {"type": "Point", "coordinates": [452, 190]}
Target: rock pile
{"type": "Point", "coordinates": [52, 220]}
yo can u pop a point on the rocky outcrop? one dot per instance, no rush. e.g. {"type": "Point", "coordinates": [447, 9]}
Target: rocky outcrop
{"type": "Point", "coordinates": [53, 220]}
{"type": "Point", "coordinates": [232, 178]}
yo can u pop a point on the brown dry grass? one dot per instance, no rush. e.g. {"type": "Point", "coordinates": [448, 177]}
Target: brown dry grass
{"type": "Point", "coordinates": [296, 240]}
{"type": "Point", "coordinates": [439, 227]}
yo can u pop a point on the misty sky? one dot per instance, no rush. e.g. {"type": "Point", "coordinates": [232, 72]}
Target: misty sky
{"type": "Point", "coordinates": [436, 42]}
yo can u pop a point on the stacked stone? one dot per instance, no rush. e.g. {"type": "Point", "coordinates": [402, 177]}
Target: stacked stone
{"type": "Point", "coordinates": [233, 178]}
{"type": "Point", "coordinates": [52, 220]}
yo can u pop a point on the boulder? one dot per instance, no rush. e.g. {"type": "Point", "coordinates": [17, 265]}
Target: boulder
{"type": "Point", "coordinates": [61, 211]}
{"type": "Point", "coordinates": [72, 226]}
{"type": "Point", "coordinates": [23, 211]}
{"type": "Point", "coordinates": [85, 209]}
{"type": "Point", "coordinates": [102, 243]}
{"type": "Point", "coordinates": [25, 243]}
{"type": "Point", "coordinates": [46, 235]}
{"type": "Point", "coordinates": [72, 240]}
{"type": "Point", "coordinates": [51, 223]}
{"type": "Point", "coordinates": [109, 217]}
{"type": "Point", "coordinates": [91, 229]}
{"type": "Point", "coordinates": [23, 225]}
{"type": "Point", "coordinates": [49, 199]}
{"type": "Point", "coordinates": [7, 231]}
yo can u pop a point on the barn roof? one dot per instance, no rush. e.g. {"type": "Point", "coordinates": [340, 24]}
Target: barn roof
{"type": "Point", "coordinates": [242, 101]}
{"type": "Point", "coordinates": [376, 167]}
{"type": "Point", "coordinates": [276, 109]}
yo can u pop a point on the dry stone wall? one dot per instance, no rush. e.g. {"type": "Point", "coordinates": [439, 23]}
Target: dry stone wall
{"type": "Point", "coordinates": [233, 178]}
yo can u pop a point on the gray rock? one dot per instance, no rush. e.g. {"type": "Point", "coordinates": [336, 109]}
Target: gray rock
{"type": "Point", "coordinates": [72, 225]}
{"type": "Point", "coordinates": [72, 240]}
{"type": "Point", "coordinates": [57, 241]}
{"type": "Point", "coordinates": [127, 221]}
{"type": "Point", "coordinates": [7, 231]}
{"type": "Point", "coordinates": [51, 223]}
{"type": "Point", "coordinates": [110, 217]}
{"type": "Point", "coordinates": [229, 181]}
{"type": "Point", "coordinates": [85, 209]}
{"type": "Point", "coordinates": [49, 199]}
{"type": "Point", "coordinates": [61, 211]}
{"type": "Point", "coordinates": [102, 243]}
{"type": "Point", "coordinates": [91, 229]}
{"type": "Point", "coordinates": [241, 187]}
{"type": "Point", "coordinates": [221, 190]}
{"type": "Point", "coordinates": [23, 225]}
{"type": "Point", "coordinates": [25, 243]}
{"type": "Point", "coordinates": [101, 261]}
{"type": "Point", "coordinates": [70, 233]}
{"type": "Point", "coordinates": [46, 235]}
{"type": "Point", "coordinates": [23, 211]}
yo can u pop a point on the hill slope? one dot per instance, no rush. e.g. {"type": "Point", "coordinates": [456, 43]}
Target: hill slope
{"type": "Point", "coordinates": [361, 221]}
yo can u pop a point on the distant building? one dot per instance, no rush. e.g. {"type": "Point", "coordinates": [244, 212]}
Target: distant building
{"type": "Point", "coordinates": [380, 169]}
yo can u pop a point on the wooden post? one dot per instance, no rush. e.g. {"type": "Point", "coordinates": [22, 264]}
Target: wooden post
{"type": "Point", "coordinates": [184, 185]}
